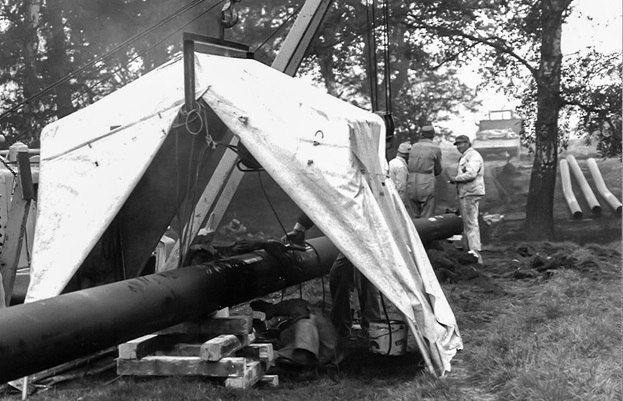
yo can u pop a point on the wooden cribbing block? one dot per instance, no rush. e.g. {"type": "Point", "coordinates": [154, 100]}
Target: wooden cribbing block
{"type": "Point", "coordinates": [181, 366]}
{"type": "Point", "coordinates": [270, 380]}
{"type": "Point", "coordinates": [180, 349]}
{"type": "Point", "coordinates": [219, 347]}
{"type": "Point", "coordinates": [223, 346]}
{"type": "Point", "coordinates": [262, 352]}
{"type": "Point", "coordinates": [142, 346]}
{"type": "Point", "coordinates": [252, 375]}
{"type": "Point", "coordinates": [237, 325]}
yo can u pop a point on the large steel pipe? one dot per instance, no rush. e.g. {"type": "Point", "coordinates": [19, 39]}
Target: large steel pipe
{"type": "Point", "coordinates": [438, 227]}
{"type": "Point", "coordinates": [567, 191]}
{"type": "Point", "coordinates": [586, 189]}
{"type": "Point", "coordinates": [43, 334]}
{"type": "Point", "coordinates": [612, 200]}
{"type": "Point", "coordinates": [40, 335]}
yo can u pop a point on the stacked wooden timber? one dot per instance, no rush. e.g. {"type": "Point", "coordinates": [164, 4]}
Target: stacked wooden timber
{"type": "Point", "coordinates": [221, 348]}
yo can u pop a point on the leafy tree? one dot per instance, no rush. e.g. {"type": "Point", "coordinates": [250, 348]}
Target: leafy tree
{"type": "Point", "coordinates": [79, 52]}
{"type": "Point", "coordinates": [519, 40]}
{"type": "Point", "coordinates": [591, 94]}
{"type": "Point", "coordinates": [421, 89]}
{"type": "Point", "coordinates": [56, 57]}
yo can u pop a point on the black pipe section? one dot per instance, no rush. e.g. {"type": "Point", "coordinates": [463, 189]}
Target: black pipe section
{"type": "Point", "coordinates": [43, 334]}
{"type": "Point", "coordinates": [438, 227]}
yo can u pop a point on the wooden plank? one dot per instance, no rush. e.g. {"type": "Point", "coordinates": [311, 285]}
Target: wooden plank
{"type": "Point", "coordinates": [181, 349]}
{"type": "Point", "coordinates": [142, 346]}
{"type": "Point", "coordinates": [237, 325]}
{"type": "Point", "coordinates": [181, 366]}
{"type": "Point", "coordinates": [262, 352]}
{"type": "Point", "coordinates": [252, 375]}
{"type": "Point", "coordinates": [219, 347]}
{"type": "Point", "coordinates": [270, 380]}
{"type": "Point", "coordinates": [13, 240]}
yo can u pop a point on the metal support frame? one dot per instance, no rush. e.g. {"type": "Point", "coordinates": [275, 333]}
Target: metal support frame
{"type": "Point", "coordinates": [205, 44]}
{"type": "Point", "coordinates": [16, 227]}
{"type": "Point", "coordinates": [218, 194]}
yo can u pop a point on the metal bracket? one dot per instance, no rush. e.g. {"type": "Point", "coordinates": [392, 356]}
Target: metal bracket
{"type": "Point", "coordinates": [209, 45]}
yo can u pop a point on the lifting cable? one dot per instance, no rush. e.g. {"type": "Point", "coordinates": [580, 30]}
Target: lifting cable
{"type": "Point", "coordinates": [372, 62]}
{"type": "Point", "coordinates": [371, 17]}
{"type": "Point", "coordinates": [388, 76]}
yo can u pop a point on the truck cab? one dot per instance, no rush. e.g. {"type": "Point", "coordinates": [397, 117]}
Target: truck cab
{"type": "Point", "coordinates": [499, 133]}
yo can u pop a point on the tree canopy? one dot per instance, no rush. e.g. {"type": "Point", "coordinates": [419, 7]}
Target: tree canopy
{"type": "Point", "coordinates": [518, 43]}
{"type": "Point", "coordinates": [56, 57]}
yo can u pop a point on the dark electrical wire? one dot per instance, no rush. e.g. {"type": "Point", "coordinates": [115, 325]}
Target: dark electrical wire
{"type": "Point", "coordinates": [115, 49]}
{"type": "Point", "coordinates": [115, 71]}
{"type": "Point", "coordinates": [295, 12]}
{"type": "Point", "coordinates": [259, 175]}
{"type": "Point", "coordinates": [119, 69]}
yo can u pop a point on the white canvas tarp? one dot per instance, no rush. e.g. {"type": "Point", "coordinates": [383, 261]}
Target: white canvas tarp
{"type": "Point", "coordinates": [88, 169]}
{"type": "Point", "coordinates": [328, 156]}
{"type": "Point", "coordinates": [325, 153]}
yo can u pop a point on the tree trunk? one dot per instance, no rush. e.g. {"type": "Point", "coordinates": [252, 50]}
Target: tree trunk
{"type": "Point", "coordinates": [540, 207]}
{"type": "Point", "coordinates": [31, 76]}
{"type": "Point", "coordinates": [325, 62]}
{"type": "Point", "coordinates": [57, 55]}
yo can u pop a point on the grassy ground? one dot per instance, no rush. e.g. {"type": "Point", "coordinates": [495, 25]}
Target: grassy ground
{"type": "Point", "coordinates": [542, 321]}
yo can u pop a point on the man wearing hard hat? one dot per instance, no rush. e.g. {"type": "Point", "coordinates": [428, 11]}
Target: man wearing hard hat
{"type": "Point", "coordinates": [398, 171]}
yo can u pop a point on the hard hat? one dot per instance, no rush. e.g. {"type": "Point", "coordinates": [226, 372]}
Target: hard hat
{"type": "Point", "coordinates": [404, 147]}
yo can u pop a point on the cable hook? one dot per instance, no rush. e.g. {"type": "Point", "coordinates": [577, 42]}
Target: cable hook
{"type": "Point", "coordinates": [229, 16]}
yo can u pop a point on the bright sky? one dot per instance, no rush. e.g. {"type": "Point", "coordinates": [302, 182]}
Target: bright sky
{"type": "Point", "coordinates": [592, 23]}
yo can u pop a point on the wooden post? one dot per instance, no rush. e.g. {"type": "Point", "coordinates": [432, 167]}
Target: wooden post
{"type": "Point", "coordinates": [16, 226]}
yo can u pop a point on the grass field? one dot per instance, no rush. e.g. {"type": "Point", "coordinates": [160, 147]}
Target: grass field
{"type": "Point", "coordinates": [542, 320]}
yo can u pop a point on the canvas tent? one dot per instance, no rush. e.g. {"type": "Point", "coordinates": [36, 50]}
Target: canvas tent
{"type": "Point", "coordinates": [326, 154]}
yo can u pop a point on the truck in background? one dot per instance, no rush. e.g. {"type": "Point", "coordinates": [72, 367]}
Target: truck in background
{"type": "Point", "coordinates": [500, 133]}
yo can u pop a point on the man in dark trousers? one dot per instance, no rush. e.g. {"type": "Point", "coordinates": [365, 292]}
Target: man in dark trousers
{"type": "Point", "coordinates": [308, 341]}
{"type": "Point", "coordinates": [343, 279]}
{"type": "Point", "coordinates": [424, 166]}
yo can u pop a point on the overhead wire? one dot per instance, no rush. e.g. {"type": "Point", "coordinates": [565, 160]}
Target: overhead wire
{"type": "Point", "coordinates": [167, 19]}
{"type": "Point", "coordinates": [115, 49]}
{"type": "Point", "coordinates": [115, 71]}
{"type": "Point", "coordinates": [295, 12]}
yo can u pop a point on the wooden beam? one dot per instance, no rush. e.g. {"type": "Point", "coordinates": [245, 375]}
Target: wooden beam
{"type": "Point", "coordinates": [252, 374]}
{"type": "Point", "coordinates": [181, 366]}
{"type": "Point", "coordinates": [16, 226]}
{"type": "Point", "coordinates": [223, 346]}
{"type": "Point", "coordinates": [237, 325]}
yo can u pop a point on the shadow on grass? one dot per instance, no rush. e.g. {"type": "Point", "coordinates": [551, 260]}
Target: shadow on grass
{"type": "Point", "coordinates": [367, 367]}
